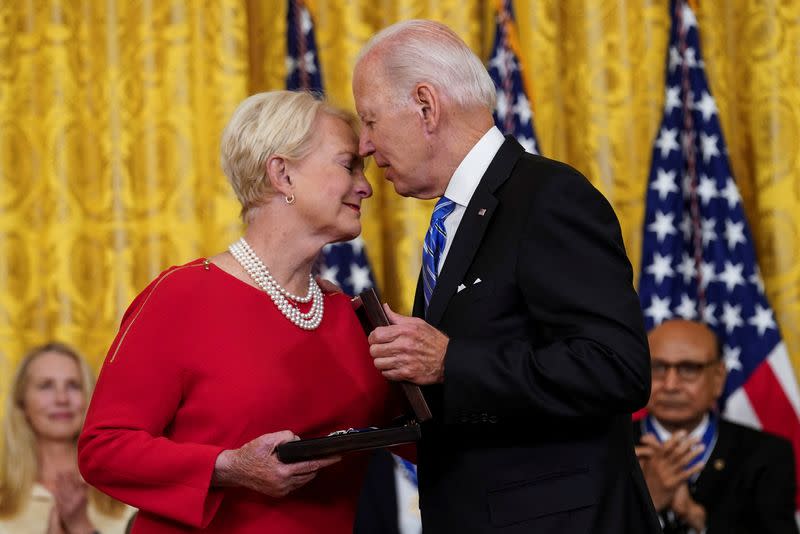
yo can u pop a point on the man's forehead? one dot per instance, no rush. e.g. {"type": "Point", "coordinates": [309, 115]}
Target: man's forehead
{"type": "Point", "coordinates": [679, 349]}
{"type": "Point", "coordinates": [677, 335]}
{"type": "Point", "coordinates": [368, 75]}
{"type": "Point", "coordinates": [361, 92]}
{"type": "Point", "coordinates": [367, 102]}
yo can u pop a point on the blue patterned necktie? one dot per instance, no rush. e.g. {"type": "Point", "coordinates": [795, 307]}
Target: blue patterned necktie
{"type": "Point", "coordinates": [433, 246]}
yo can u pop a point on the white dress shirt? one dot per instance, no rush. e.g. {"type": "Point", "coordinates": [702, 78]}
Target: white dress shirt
{"type": "Point", "coordinates": [465, 180]}
{"type": "Point", "coordinates": [664, 434]}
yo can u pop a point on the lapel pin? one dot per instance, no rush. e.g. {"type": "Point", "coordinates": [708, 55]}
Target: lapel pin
{"type": "Point", "coordinates": [461, 287]}
{"type": "Point", "coordinates": [719, 464]}
{"type": "Point", "coordinates": [482, 212]}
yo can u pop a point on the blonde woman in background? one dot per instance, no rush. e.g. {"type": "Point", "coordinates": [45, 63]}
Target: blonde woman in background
{"type": "Point", "coordinates": [40, 488]}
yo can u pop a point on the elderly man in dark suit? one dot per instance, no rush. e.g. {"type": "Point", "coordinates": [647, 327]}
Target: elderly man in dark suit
{"type": "Point", "coordinates": [706, 474]}
{"type": "Point", "coordinates": [527, 335]}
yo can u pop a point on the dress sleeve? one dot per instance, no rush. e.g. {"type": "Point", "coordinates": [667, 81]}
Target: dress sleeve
{"type": "Point", "coordinates": [122, 449]}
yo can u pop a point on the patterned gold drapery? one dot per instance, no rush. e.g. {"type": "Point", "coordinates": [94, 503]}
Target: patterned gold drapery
{"type": "Point", "coordinates": [110, 114]}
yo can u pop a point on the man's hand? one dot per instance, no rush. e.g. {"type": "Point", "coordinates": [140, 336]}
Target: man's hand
{"type": "Point", "coordinates": [686, 508]}
{"type": "Point", "coordinates": [664, 465]}
{"type": "Point", "coordinates": [409, 349]}
{"type": "Point", "coordinates": [256, 466]}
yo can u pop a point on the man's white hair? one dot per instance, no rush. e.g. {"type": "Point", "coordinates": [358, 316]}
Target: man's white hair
{"type": "Point", "coordinates": [415, 51]}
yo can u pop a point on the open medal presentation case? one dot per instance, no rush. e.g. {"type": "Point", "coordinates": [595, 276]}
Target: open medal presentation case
{"type": "Point", "coordinates": [371, 314]}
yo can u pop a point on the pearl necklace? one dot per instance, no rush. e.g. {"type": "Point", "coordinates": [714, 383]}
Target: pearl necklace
{"type": "Point", "coordinates": [309, 320]}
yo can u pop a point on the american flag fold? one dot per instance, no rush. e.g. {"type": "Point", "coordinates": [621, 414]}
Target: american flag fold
{"type": "Point", "coordinates": [698, 259]}
{"type": "Point", "coordinates": [344, 263]}
{"type": "Point", "coordinates": [302, 62]}
{"type": "Point", "coordinates": [513, 113]}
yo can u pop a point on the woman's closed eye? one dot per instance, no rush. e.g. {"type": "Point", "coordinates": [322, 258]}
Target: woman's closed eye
{"type": "Point", "coordinates": [354, 165]}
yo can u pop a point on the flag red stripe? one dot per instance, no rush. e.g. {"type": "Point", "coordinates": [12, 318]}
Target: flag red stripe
{"type": "Point", "coordinates": [774, 410]}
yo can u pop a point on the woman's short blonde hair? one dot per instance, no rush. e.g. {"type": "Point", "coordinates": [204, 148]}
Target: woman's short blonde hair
{"type": "Point", "coordinates": [267, 124]}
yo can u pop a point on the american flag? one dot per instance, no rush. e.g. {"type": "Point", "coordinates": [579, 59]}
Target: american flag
{"type": "Point", "coordinates": [513, 113]}
{"type": "Point", "coordinates": [302, 64]}
{"type": "Point", "coordinates": [347, 265]}
{"type": "Point", "coordinates": [698, 259]}
{"type": "Point", "coordinates": [343, 263]}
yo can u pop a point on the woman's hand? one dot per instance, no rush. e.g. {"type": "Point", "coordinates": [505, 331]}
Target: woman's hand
{"type": "Point", "coordinates": [54, 522]}
{"type": "Point", "coordinates": [71, 498]}
{"type": "Point", "coordinates": [256, 466]}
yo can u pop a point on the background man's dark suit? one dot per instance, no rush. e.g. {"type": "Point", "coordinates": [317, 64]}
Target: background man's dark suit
{"type": "Point", "coordinates": [748, 483]}
{"type": "Point", "coordinates": [547, 358]}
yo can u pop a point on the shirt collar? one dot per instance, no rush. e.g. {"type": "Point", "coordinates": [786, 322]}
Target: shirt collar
{"type": "Point", "coordinates": [469, 172]}
{"type": "Point", "coordinates": [664, 434]}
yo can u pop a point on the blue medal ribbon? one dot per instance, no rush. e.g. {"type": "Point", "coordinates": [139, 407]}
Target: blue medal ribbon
{"type": "Point", "coordinates": [709, 439]}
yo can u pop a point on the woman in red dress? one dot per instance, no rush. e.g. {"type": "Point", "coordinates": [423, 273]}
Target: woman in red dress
{"type": "Point", "coordinates": [220, 360]}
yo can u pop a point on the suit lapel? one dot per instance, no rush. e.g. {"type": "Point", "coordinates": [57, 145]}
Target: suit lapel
{"type": "Point", "coordinates": [472, 227]}
{"type": "Point", "coordinates": [419, 299]}
{"type": "Point", "coordinates": [469, 235]}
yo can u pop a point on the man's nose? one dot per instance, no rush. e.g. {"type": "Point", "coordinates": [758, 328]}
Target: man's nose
{"type": "Point", "coordinates": [365, 146]}
{"type": "Point", "coordinates": [671, 378]}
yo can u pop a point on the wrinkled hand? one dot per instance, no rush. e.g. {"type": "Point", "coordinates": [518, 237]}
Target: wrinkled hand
{"type": "Point", "coordinates": [686, 508]}
{"type": "Point", "coordinates": [408, 349]}
{"type": "Point", "coordinates": [664, 465]}
{"type": "Point", "coordinates": [256, 466]}
{"type": "Point", "coordinates": [71, 499]}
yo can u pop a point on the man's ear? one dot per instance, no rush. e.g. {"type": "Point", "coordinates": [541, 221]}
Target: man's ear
{"type": "Point", "coordinates": [278, 174]}
{"type": "Point", "coordinates": [426, 97]}
{"type": "Point", "coordinates": [720, 373]}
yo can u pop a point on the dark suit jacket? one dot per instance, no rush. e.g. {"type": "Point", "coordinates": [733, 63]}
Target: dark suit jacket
{"type": "Point", "coordinates": [546, 361]}
{"type": "Point", "coordinates": [748, 483]}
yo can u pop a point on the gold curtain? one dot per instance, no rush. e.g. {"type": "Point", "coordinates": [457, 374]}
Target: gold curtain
{"type": "Point", "coordinates": [110, 114]}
